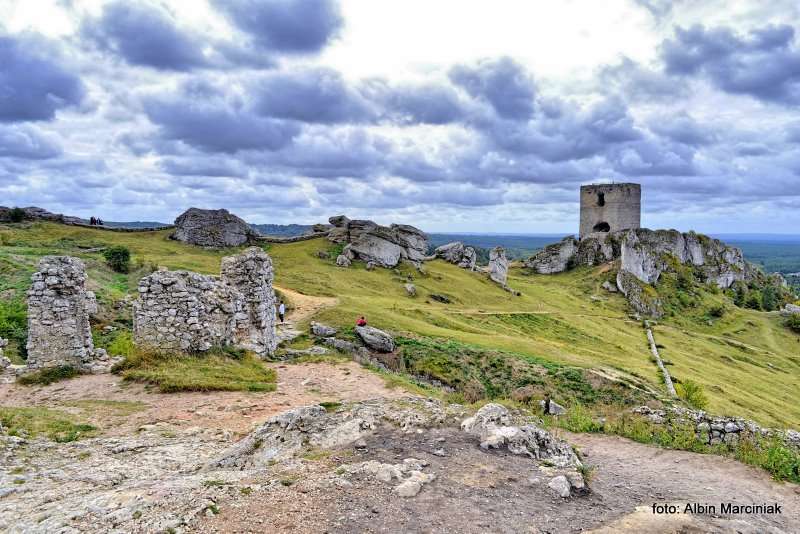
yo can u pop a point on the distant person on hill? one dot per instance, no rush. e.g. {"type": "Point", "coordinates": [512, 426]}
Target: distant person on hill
{"type": "Point", "coordinates": [281, 311]}
{"type": "Point", "coordinates": [99, 222]}
{"type": "Point", "coordinates": [546, 403]}
{"type": "Point", "coordinates": [92, 221]}
{"type": "Point", "coordinates": [361, 322]}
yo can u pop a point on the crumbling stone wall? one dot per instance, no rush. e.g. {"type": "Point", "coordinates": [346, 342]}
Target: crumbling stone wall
{"type": "Point", "coordinates": [58, 317]}
{"type": "Point", "coordinates": [186, 311]}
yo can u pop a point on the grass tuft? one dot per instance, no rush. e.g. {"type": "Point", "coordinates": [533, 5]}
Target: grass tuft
{"type": "Point", "coordinates": [53, 424]}
{"type": "Point", "coordinates": [48, 376]}
{"type": "Point", "coordinates": [220, 370]}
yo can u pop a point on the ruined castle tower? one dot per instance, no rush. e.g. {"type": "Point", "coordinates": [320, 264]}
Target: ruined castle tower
{"type": "Point", "coordinates": [610, 207]}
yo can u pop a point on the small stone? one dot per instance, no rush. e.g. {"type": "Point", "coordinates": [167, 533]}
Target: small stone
{"type": "Point", "coordinates": [560, 485]}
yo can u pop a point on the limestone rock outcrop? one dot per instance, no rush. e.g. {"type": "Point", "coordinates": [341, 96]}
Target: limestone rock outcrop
{"type": "Point", "coordinates": [186, 311]}
{"type": "Point", "coordinates": [498, 265]}
{"type": "Point", "coordinates": [647, 253]}
{"type": "Point", "coordinates": [375, 339]}
{"type": "Point", "coordinates": [212, 228]}
{"type": "Point", "coordinates": [570, 252]}
{"type": "Point", "coordinates": [459, 254]}
{"type": "Point", "coordinates": [382, 245]}
{"type": "Point", "coordinates": [492, 424]}
{"type": "Point", "coordinates": [59, 307]}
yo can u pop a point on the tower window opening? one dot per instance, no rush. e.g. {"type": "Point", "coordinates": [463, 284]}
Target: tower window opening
{"type": "Point", "coordinates": [601, 199]}
{"type": "Point", "coordinates": [602, 227]}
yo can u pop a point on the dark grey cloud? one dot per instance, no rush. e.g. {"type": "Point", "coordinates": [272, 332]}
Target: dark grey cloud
{"type": "Point", "coordinates": [207, 117]}
{"type": "Point", "coordinates": [764, 64]}
{"type": "Point", "coordinates": [34, 84]}
{"type": "Point", "coordinates": [26, 142]}
{"type": "Point", "coordinates": [202, 165]}
{"type": "Point", "coordinates": [502, 82]}
{"type": "Point", "coordinates": [428, 103]}
{"type": "Point", "coordinates": [682, 128]}
{"type": "Point", "coordinates": [310, 95]}
{"type": "Point", "coordinates": [145, 34]}
{"type": "Point", "coordinates": [653, 158]}
{"type": "Point", "coordinates": [287, 26]}
{"type": "Point", "coordinates": [634, 81]}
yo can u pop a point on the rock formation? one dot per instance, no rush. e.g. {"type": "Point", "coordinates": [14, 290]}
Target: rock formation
{"type": "Point", "coordinates": [212, 228]}
{"type": "Point", "coordinates": [498, 265]}
{"type": "Point", "coordinates": [186, 311]}
{"type": "Point", "coordinates": [375, 339]}
{"type": "Point", "coordinates": [58, 318]}
{"type": "Point", "coordinates": [371, 242]}
{"type": "Point", "coordinates": [455, 252]}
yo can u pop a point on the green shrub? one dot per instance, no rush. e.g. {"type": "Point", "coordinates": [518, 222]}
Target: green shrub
{"type": "Point", "coordinates": [14, 324]}
{"type": "Point", "coordinates": [118, 258]}
{"type": "Point", "coordinates": [693, 394]}
{"type": "Point", "coordinates": [717, 311]}
{"type": "Point", "coordinates": [579, 419]}
{"type": "Point", "coordinates": [48, 376]}
{"type": "Point", "coordinates": [753, 300]}
{"type": "Point", "coordinates": [16, 215]}
{"type": "Point", "coordinates": [793, 322]}
{"type": "Point", "coordinates": [769, 298]}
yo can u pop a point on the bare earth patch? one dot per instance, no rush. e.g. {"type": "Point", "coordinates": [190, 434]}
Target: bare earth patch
{"type": "Point", "coordinates": [237, 412]}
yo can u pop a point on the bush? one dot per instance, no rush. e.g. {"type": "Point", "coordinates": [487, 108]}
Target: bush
{"type": "Point", "coordinates": [693, 394]}
{"type": "Point", "coordinates": [793, 322]}
{"type": "Point", "coordinates": [14, 323]}
{"type": "Point", "coordinates": [753, 300]}
{"type": "Point", "coordinates": [118, 258]}
{"type": "Point", "coordinates": [16, 215]}
{"type": "Point", "coordinates": [48, 376]}
{"type": "Point", "coordinates": [769, 298]}
{"type": "Point", "coordinates": [579, 419]}
{"type": "Point", "coordinates": [717, 311]}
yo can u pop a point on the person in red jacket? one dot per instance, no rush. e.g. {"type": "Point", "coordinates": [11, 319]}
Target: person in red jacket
{"type": "Point", "coordinates": [361, 322]}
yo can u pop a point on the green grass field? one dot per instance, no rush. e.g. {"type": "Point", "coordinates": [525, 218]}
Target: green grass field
{"type": "Point", "coordinates": [747, 361]}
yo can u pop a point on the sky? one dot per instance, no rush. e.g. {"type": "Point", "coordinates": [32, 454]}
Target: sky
{"type": "Point", "coordinates": [453, 115]}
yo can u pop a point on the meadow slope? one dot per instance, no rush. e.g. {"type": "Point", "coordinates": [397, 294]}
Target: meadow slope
{"type": "Point", "coordinates": [747, 361]}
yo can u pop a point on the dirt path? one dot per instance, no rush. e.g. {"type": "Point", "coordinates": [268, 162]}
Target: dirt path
{"type": "Point", "coordinates": [304, 306]}
{"type": "Point", "coordinates": [119, 408]}
{"type": "Point", "coordinates": [477, 491]}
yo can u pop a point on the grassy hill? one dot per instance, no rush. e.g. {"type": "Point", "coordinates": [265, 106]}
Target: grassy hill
{"type": "Point", "coordinates": [747, 361]}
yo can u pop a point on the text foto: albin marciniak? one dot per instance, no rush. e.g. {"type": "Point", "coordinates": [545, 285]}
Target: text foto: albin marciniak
{"type": "Point", "coordinates": [725, 508]}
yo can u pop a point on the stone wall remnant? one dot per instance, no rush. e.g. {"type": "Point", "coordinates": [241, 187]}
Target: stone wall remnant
{"type": "Point", "coordinates": [186, 311]}
{"type": "Point", "coordinates": [59, 307]}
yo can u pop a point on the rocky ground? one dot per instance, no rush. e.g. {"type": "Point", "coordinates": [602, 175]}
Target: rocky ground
{"type": "Point", "coordinates": [208, 462]}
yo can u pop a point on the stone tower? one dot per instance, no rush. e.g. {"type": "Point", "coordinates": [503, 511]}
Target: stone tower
{"type": "Point", "coordinates": [609, 207]}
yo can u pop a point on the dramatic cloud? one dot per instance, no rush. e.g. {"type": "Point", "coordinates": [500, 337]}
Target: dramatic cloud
{"type": "Point", "coordinates": [205, 116]}
{"type": "Point", "coordinates": [292, 26]}
{"type": "Point", "coordinates": [145, 34]}
{"type": "Point", "coordinates": [310, 95]}
{"type": "Point", "coordinates": [505, 84]}
{"type": "Point", "coordinates": [764, 64]}
{"type": "Point", "coordinates": [283, 111]}
{"type": "Point", "coordinates": [33, 85]}
{"type": "Point", "coordinates": [26, 142]}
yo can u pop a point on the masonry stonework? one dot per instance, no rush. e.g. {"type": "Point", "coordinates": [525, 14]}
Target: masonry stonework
{"type": "Point", "coordinates": [186, 311]}
{"type": "Point", "coordinates": [58, 317]}
{"type": "Point", "coordinates": [609, 207]}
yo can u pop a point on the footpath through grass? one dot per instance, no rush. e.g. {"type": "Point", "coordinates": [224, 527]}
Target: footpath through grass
{"type": "Point", "coordinates": [769, 453]}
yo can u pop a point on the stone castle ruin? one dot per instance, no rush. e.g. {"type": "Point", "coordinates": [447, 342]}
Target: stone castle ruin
{"type": "Point", "coordinates": [609, 208]}
{"type": "Point", "coordinates": [58, 318]}
{"type": "Point", "coordinates": [186, 311]}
